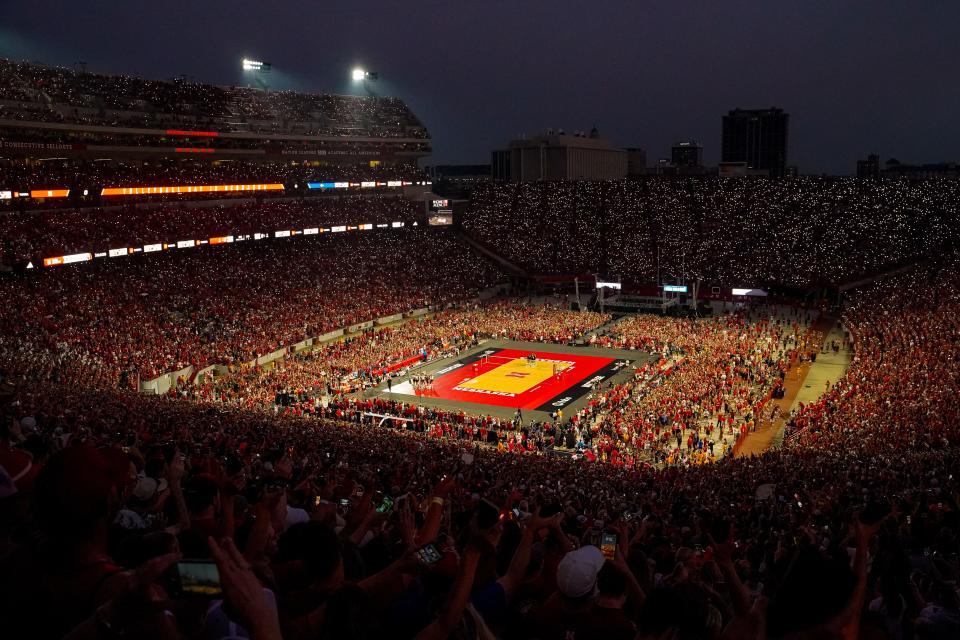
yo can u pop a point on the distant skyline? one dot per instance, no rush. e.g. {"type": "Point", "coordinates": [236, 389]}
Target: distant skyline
{"type": "Point", "coordinates": [856, 77]}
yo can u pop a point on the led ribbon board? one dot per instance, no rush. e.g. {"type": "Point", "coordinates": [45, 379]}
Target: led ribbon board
{"type": "Point", "coordinates": [216, 188]}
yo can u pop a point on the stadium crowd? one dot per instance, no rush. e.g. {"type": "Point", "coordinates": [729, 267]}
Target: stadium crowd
{"type": "Point", "coordinates": [56, 94]}
{"type": "Point", "coordinates": [741, 233]}
{"type": "Point", "coordinates": [318, 527]}
{"type": "Point", "coordinates": [36, 235]}
{"type": "Point", "coordinates": [280, 501]}
{"type": "Point", "coordinates": [708, 390]}
{"type": "Point", "coordinates": [710, 387]}
{"type": "Point", "coordinates": [367, 358]}
{"type": "Point", "coordinates": [118, 321]}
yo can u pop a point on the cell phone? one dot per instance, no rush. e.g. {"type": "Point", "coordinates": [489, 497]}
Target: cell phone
{"type": "Point", "coordinates": [386, 505]}
{"type": "Point", "coordinates": [510, 514]}
{"type": "Point", "coordinates": [428, 555]}
{"type": "Point", "coordinates": [344, 502]}
{"type": "Point", "coordinates": [608, 545]}
{"type": "Point", "coordinates": [317, 500]}
{"type": "Point", "coordinates": [195, 578]}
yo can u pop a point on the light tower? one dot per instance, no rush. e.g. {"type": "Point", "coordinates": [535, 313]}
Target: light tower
{"type": "Point", "coordinates": [258, 71]}
{"type": "Point", "coordinates": [364, 77]}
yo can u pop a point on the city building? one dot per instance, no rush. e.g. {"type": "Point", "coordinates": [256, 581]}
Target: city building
{"type": "Point", "coordinates": [869, 168]}
{"type": "Point", "coordinates": [687, 153]}
{"type": "Point", "coordinates": [636, 161]}
{"type": "Point", "coordinates": [758, 138]}
{"type": "Point", "coordinates": [500, 165]}
{"type": "Point", "coordinates": [893, 168]}
{"type": "Point", "coordinates": [561, 156]}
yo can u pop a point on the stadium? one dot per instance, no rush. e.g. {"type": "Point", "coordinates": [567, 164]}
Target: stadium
{"type": "Point", "coordinates": [264, 375]}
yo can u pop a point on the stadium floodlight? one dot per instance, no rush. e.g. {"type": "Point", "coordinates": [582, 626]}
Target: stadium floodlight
{"type": "Point", "coordinates": [252, 65]}
{"type": "Point", "coordinates": [365, 78]}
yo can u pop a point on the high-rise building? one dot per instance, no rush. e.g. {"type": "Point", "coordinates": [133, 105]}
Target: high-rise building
{"type": "Point", "coordinates": [636, 161]}
{"type": "Point", "coordinates": [869, 168]}
{"type": "Point", "coordinates": [688, 153]}
{"type": "Point", "coordinates": [757, 137]}
{"type": "Point", "coordinates": [500, 164]}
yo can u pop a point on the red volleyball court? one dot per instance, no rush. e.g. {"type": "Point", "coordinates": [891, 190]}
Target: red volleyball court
{"type": "Point", "coordinates": [511, 378]}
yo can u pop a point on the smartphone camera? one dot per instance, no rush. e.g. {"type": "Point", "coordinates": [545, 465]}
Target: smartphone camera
{"type": "Point", "coordinates": [386, 505]}
{"type": "Point", "coordinates": [608, 545]}
{"type": "Point", "coordinates": [199, 578]}
{"type": "Point", "coordinates": [428, 555]}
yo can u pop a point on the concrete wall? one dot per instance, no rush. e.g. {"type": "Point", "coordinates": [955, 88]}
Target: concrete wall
{"type": "Point", "coordinates": [162, 384]}
{"type": "Point", "coordinates": [270, 357]}
{"type": "Point", "coordinates": [360, 327]}
{"type": "Point", "coordinates": [389, 319]}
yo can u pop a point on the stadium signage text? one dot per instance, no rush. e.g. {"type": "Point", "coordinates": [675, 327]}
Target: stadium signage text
{"type": "Point", "coordinates": [326, 152]}
{"type": "Point", "coordinates": [47, 146]}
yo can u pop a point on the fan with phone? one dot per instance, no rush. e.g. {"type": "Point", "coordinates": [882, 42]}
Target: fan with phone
{"type": "Point", "coordinates": [608, 544]}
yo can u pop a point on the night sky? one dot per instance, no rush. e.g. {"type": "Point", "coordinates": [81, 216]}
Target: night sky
{"type": "Point", "coordinates": [855, 77]}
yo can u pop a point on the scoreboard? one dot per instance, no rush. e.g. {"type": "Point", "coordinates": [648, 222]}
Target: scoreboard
{"type": "Point", "coordinates": [441, 212]}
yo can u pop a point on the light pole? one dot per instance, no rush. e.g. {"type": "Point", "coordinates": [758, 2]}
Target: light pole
{"type": "Point", "coordinates": [364, 77]}
{"type": "Point", "coordinates": [259, 70]}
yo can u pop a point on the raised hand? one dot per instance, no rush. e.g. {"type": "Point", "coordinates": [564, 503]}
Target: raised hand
{"type": "Point", "coordinates": [243, 592]}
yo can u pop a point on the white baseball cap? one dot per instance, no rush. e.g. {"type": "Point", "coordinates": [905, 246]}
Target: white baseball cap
{"type": "Point", "coordinates": [577, 572]}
